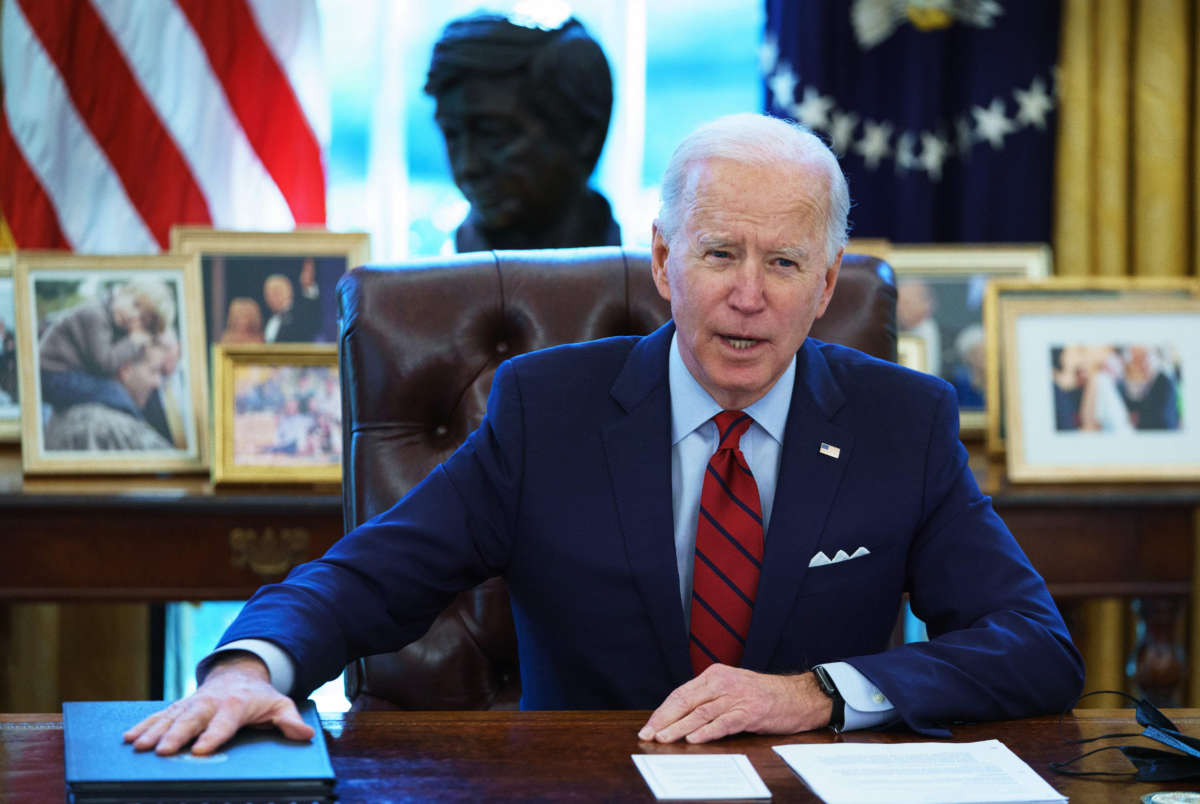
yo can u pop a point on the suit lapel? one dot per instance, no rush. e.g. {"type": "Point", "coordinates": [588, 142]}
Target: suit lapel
{"type": "Point", "coordinates": [804, 493]}
{"type": "Point", "coordinates": [638, 448]}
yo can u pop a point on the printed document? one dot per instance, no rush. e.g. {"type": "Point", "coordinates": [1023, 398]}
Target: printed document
{"type": "Point", "coordinates": [700, 776]}
{"type": "Point", "coordinates": [917, 773]}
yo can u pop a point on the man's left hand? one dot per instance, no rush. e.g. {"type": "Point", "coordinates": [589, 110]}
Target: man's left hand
{"type": "Point", "coordinates": [308, 275]}
{"type": "Point", "coordinates": [725, 700]}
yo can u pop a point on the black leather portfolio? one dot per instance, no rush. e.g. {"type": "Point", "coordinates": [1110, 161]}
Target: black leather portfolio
{"type": "Point", "coordinates": [257, 765]}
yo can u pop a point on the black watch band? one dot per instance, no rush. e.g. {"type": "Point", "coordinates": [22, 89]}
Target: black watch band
{"type": "Point", "coordinates": [838, 719]}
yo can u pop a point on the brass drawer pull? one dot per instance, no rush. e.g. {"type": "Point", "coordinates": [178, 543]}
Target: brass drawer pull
{"type": "Point", "coordinates": [269, 554]}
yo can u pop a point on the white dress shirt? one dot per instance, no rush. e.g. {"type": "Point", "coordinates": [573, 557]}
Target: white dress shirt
{"type": "Point", "coordinates": [694, 439]}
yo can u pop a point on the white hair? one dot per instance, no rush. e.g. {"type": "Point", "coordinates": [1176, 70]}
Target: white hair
{"type": "Point", "coordinates": [756, 139]}
{"type": "Point", "coordinates": [153, 296]}
{"type": "Point", "coordinates": [968, 338]}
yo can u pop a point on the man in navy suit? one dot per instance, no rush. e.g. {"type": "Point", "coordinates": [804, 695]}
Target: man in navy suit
{"type": "Point", "coordinates": [584, 485]}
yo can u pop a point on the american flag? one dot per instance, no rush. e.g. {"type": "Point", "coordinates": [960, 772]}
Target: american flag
{"type": "Point", "coordinates": [123, 117]}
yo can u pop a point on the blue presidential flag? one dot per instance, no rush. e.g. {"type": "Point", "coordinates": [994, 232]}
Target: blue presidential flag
{"type": "Point", "coordinates": [941, 111]}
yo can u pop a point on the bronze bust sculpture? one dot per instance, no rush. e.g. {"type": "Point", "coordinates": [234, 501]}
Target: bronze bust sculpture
{"type": "Point", "coordinates": [524, 112]}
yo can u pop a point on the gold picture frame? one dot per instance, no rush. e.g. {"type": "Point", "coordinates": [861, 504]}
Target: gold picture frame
{"type": "Point", "coordinates": [1077, 288]}
{"type": "Point", "coordinates": [117, 401]}
{"type": "Point", "coordinates": [910, 352]}
{"type": "Point", "coordinates": [879, 247]}
{"type": "Point", "coordinates": [277, 414]}
{"type": "Point", "coordinates": [1101, 389]}
{"type": "Point", "coordinates": [941, 291]}
{"type": "Point", "coordinates": [10, 400]}
{"type": "Point", "coordinates": [237, 268]}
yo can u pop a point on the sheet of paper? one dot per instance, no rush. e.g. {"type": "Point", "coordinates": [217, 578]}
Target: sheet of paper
{"type": "Point", "coordinates": [917, 773]}
{"type": "Point", "coordinates": [700, 776]}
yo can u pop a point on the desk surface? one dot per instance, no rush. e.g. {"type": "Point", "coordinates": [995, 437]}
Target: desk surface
{"type": "Point", "coordinates": [584, 756]}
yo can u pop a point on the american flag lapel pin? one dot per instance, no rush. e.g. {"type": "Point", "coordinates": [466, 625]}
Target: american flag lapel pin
{"type": "Point", "coordinates": [830, 450]}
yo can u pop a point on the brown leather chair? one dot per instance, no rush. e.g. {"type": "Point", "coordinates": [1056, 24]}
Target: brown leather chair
{"type": "Point", "coordinates": [419, 345]}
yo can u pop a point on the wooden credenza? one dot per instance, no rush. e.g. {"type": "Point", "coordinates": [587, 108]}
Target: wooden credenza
{"type": "Point", "coordinates": [80, 559]}
{"type": "Point", "coordinates": [1101, 548]}
{"type": "Point", "coordinates": [1121, 560]}
{"type": "Point", "coordinates": [155, 539]}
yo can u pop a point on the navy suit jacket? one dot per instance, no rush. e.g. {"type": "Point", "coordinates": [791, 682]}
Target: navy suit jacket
{"type": "Point", "coordinates": [565, 490]}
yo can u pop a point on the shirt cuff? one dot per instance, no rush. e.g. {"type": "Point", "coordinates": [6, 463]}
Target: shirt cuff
{"type": "Point", "coordinates": [279, 664]}
{"type": "Point", "coordinates": [866, 705]}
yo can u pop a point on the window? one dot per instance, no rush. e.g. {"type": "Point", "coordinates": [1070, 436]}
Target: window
{"type": "Point", "coordinates": [675, 63]}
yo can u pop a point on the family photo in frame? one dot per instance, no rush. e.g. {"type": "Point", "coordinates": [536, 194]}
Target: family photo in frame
{"type": "Point", "coordinates": [1071, 289]}
{"type": "Point", "coordinates": [277, 414]}
{"type": "Point", "coordinates": [111, 372]}
{"type": "Point", "coordinates": [271, 287]}
{"type": "Point", "coordinates": [1116, 387]}
{"type": "Point", "coordinates": [940, 299]}
{"type": "Point", "coordinates": [1102, 389]}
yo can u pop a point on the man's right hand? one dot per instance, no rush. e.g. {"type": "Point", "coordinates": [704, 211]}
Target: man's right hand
{"type": "Point", "coordinates": [236, 692]}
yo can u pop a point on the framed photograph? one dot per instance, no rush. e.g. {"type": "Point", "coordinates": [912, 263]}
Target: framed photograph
{"type": "Point", "coordinates": [940, 300]}
{"type": "Point", "coordinates": [10, 402]}
{"type": "Point", "coordinates": [1102, 389]}
{"type": "Point", "coordinates": [271, 287]}
{"type": "Point", "coordinates": [1078, 288]}
{"type": "Point", "coordinates": [278, 414]}
{"type": "Point", "coordinates": [110, 354]}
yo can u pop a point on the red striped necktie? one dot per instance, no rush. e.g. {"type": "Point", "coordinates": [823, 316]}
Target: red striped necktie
{"type": "Point", "coordinates": [729, 549]}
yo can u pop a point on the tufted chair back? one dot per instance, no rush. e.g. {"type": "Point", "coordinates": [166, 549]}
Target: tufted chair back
{"type": "Point", "coordinates": [420, 343]}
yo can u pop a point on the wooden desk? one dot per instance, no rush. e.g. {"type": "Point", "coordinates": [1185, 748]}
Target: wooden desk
{"type": "Point", "coordinates": [584, 756]}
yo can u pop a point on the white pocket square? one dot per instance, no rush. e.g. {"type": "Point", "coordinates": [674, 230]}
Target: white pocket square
{"type": "Point", "coordinates": [820, 559]}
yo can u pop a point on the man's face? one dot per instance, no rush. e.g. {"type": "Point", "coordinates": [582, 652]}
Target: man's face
{"type": "Point", "coordinates": [914, 303]}
{"type": "Point", "coordinates": [278, 295]}
{"type": "Point", "coordinates": [505, 160]}
{"type": "Point", "coordinates": [745, 273]}
{"type": "Point", "coordinates": [125, 311]}
{"type": "Point", "coordinates": [169, 353]}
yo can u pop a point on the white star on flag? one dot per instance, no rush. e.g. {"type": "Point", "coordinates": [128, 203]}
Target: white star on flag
{"type": "Point", "coordinates": [874, 145]}
{"type": "Point", "coordinates": [1034, 103]}
{"type": "Point", "coordinates": [992, 124]}
{"type": "Point", "coordinates": [783, 86]}
{"type": "Point", "coordinates": [841, 133]}
{"type": "Point", "coordinates": [813, 110]}
{"type": "Point", "coordinates": [933, 154]}
{"type": "Point", "coordinates": [905, 158]}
